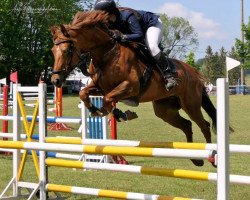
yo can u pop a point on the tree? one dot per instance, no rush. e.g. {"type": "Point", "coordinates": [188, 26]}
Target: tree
{"type": "Point", "coordinates": [178, 36]}
{"type": "Point", "coordinates": [190, 59]}
{"type": "Point", "coordinates": [213, 66]}
{"type": "Point", "coordinates": [243, 49]}
{"type": "Point", "coordinates": [221, 68]}
{"type": "Point", "coordinates": [206, 68]}
{"type": "Point", "coordinates": [199, 63]}
{"type": "Point", "coordinates": [25, 38]}
{"type": "Point", "coordinates": [234, 74]}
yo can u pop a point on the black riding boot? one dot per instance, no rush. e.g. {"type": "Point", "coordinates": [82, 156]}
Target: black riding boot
{"type": "Point", "coordinates": [167, 70]}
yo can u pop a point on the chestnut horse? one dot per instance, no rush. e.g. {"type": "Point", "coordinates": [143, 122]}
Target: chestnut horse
{"type": "Point", "coordinates": [116, 71]}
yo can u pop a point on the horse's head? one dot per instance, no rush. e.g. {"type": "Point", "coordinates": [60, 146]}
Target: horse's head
{"type": "Point", "coordinates": [65, 54]}
{"type": "Point", "coordinates": [87, 33]}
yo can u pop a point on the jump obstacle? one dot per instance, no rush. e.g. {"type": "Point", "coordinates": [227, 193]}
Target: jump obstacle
{"type": "Point", "coordinates": [32, 96]}
{"type": "Point", "coordinates": [222, 157]}
{"type": "Point", "coordinates": [95, 128]}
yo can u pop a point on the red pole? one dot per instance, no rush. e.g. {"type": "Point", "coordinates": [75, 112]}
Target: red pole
{"type": "Point", "coordinates": [5, 109]}
{"type": "Point", "coordinates": [59, 102]}
{"type": "Point", "coordinates": [59, 106]}
{"type": "Point", "coordinates": [113, 127]}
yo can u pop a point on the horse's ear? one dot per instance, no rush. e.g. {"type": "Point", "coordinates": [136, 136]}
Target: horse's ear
{"type": "Point", "coordinates": [64, 31]}
{"type": "Point", "coordinates": [91, 67]}
{"type": "Point", "coordinates": [53, 30]}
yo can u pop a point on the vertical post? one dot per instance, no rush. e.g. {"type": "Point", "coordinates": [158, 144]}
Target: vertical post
{"type": "Point", "coordinates": [16, 137]}
{"type": "Point", "coordinates": [59, 106]}
{"type": "Point", "coordinates": [5, 109]}
{"type": "Point", "coordinates": [84, 121]}
{"type": "Point", "coordinates": [222, 140]}
{"type": "Point", "coordinates": [242, 39]}
{"type": "Point", "coordinates": [11, 90]}
{"type": "Point", "coordinates": [42, 135]}
{"type": "Point", "coordinates": [113, 126]}
{"type": "Point", "coordinates": [59, 102]}
{"type": "Point", "coordinates": [104, 128]}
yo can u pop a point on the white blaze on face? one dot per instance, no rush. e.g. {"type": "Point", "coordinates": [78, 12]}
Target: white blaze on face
{"type": "Point", "coordinates": [58, 57]}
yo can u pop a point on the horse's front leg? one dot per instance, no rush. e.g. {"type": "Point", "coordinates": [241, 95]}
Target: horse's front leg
{"type": "Point", "coordinates": [122, 91]}
{"type": "Point", "coordinates": [84, 94]}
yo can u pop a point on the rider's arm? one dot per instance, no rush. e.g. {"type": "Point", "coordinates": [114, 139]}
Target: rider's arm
{"type": "Point", "coordinates": [136, 33]}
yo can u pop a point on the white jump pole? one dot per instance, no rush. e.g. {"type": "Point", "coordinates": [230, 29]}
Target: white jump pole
{"type": "Point", "coordinates": [16, 137]}
{"type": "Point", "coordinates": [222, 140]}
{"type": "Point", "coordinates": [42, 134]}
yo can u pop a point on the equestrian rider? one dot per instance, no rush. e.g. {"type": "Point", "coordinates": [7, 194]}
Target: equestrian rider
{"type": "Point", "coordinates": [139, 26]}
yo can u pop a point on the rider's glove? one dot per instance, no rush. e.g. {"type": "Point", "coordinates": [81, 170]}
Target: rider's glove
{"type": "Point", "coordinates": [118, 36]}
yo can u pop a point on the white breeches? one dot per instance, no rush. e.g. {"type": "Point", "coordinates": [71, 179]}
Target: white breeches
{"type": "Point", "coordinates": [153, 38]}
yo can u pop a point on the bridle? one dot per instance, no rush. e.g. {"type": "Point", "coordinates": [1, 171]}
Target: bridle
{"type": "Point", "coordinates": [81, 55]}
{"type": "Point", "coordinates": [71, 51]}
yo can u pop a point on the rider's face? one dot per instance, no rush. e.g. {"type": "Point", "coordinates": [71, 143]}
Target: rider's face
{"type": "Point", "coordinates": [112, 21]}
{"type": "Point", "coordinates": [112, 18]}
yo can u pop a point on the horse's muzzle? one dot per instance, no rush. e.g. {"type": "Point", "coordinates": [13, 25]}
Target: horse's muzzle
{"type": "Point", "coordinates": [56, 81]}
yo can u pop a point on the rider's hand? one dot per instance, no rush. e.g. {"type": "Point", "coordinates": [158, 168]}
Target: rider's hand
{"type": "Point", "coordinates": [117, 35]}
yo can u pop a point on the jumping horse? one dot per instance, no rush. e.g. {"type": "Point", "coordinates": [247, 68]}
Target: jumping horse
{"type": "Point", "coordinates": [116, 71]}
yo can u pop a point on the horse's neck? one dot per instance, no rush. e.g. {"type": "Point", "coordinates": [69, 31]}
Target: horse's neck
{"type": "Point", "coordinates": [104, 53]}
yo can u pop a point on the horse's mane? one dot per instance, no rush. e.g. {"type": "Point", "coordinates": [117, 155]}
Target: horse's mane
{"type": "Point", "coordinates": [89, 18]}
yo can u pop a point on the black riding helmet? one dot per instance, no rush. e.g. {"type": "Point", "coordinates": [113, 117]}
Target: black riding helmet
{"type": "Point", "coordinates": [108, 6]}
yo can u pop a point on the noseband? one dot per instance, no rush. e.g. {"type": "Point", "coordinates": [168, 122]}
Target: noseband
{"type": "Point", "coordinates": [70, 55]}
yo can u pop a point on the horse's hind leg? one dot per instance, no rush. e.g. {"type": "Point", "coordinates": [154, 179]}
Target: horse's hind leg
{"type": "Point", "coordinates": [168, 111]}
{"type": "Point", "coordinates": [193, 109]}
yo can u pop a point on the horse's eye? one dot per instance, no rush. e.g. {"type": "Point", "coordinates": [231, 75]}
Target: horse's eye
{"type": "Point", "coordinates": [66, 52]}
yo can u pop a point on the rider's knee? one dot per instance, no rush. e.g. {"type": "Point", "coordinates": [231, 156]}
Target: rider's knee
{"type": "Point", "coordinates": [154, 49]}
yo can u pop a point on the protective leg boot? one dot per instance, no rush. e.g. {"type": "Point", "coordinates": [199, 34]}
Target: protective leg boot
{"type": "Point", "coordinates": [167, 70]}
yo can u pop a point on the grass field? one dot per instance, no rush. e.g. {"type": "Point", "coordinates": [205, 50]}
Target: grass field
{"type": "Point", "coordinates": [149, 128]}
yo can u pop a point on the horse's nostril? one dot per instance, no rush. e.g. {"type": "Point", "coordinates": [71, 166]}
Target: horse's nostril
{"type": "Point", "coordinates": [56, 82]}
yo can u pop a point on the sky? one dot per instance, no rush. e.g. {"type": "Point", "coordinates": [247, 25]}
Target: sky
{"type": "Point", "coordinates": [217, 22]}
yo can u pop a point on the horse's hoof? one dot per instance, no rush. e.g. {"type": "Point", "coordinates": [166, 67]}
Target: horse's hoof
{"type": "Point", "coordinates": [131, 115]}
{"type": "Point", "coordinates": [198, 163]}
{"type": "Point", "coordinates": [214, 165]}
{"type": "Point", "coordinates": [119, 115]}
{"type": "Point", "coordinates": [96, 112]}
{"type": "Point", "coordinates": [93, 110]}
{"type": "Point", "coordinates": [102, 112]}
{"type": "Point", "coordinates": [211, 159]}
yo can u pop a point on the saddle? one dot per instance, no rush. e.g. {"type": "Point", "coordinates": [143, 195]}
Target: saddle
{"type": "Point", "coordinates": [146, 57]}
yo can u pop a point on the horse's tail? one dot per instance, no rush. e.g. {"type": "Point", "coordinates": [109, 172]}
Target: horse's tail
{"type": "Point", "coordinates": [208, 106]}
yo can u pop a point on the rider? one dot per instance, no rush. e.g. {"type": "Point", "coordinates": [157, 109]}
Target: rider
{"type": "Point", "coordinates": [134, 26]}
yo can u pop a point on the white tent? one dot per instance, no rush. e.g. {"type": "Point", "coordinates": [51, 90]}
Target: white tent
{"type": "Point", "coordinates": [76, 77]}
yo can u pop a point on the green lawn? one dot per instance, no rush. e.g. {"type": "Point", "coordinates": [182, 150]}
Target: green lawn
{"type": "Point", "coordinates": [149, 128]}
